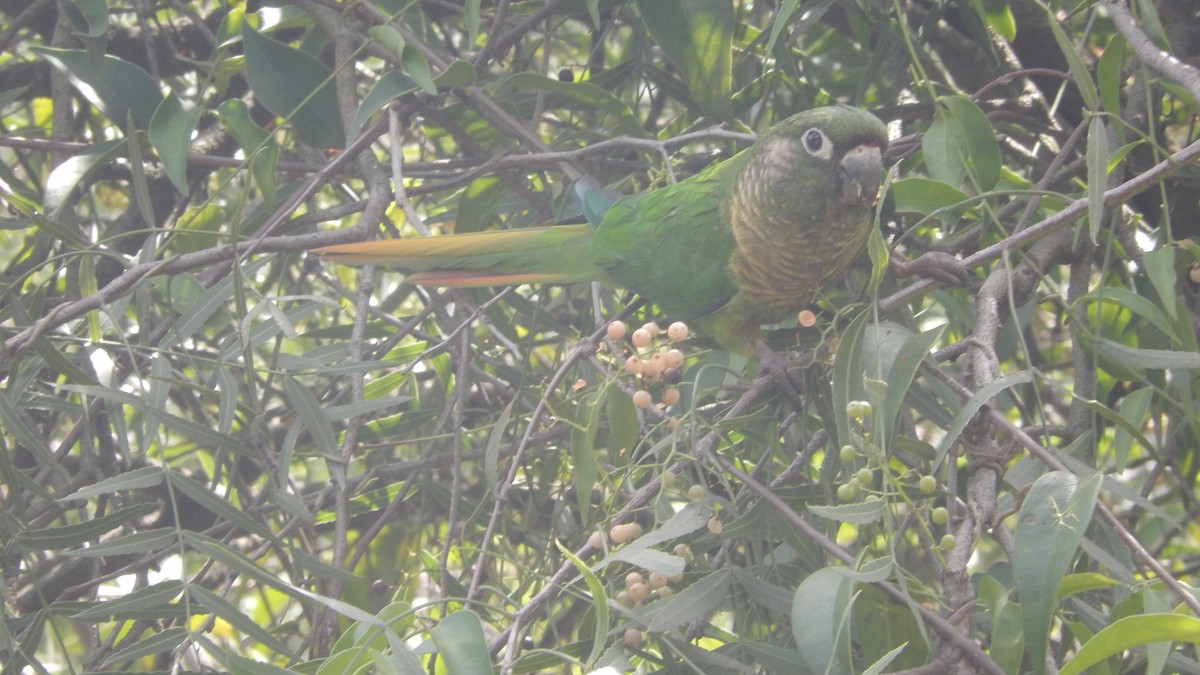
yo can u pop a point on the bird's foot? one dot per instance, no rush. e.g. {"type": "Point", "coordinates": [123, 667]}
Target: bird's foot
{"type": "Point", "coordinates": [777, 366]}
{"type": "Point", "coordinates": [936, 265]}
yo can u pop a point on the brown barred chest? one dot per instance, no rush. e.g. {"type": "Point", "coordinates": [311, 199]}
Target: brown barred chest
{"type": "Point", "coordinates": [778, 266]}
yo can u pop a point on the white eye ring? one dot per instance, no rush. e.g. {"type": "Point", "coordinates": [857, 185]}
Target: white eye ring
{"type": "Point", "coordinates": [817, 144]}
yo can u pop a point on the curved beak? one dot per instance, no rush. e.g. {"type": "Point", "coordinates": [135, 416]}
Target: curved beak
{"type": "Point", "coordinates": [863, 165]}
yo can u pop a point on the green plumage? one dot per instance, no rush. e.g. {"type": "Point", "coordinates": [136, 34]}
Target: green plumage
{"type": "Point", "coordinates": [745, 242]}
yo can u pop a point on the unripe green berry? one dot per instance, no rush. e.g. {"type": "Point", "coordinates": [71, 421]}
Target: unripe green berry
{"type": "Point", "coordinates": [939, 516]}
{"type": "Point", "coordinates": [927, 484]}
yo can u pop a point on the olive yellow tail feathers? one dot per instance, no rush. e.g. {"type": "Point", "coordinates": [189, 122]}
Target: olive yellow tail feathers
{"type": "Point", "coordinates": [501, 258]}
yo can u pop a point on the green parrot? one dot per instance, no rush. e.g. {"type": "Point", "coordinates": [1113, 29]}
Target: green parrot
{"type": "Point", "coordinates": [745, 242]}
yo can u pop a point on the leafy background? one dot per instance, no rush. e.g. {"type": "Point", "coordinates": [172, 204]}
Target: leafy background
{"type": "Point", "coordinates": [220, 454]}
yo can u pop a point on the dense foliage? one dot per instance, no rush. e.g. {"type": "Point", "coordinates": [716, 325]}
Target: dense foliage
{"type": "Point", "coordinates": [219, 453]}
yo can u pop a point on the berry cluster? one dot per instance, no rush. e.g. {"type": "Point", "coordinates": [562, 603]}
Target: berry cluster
{"type": "Point", "coordinates": [654, 366]}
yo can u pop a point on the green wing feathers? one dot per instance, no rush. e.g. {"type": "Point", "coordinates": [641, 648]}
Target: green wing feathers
{"type": "Point", "coordinates": [555, 255]}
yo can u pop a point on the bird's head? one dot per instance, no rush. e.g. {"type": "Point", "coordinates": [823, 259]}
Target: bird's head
{"type": "Point", "coordinates": [841, 142]}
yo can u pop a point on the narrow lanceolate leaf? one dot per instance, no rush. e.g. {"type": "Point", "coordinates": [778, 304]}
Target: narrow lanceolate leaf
{"type": "Point", "coordinates": [1097, 172]}
{"type": "Point", "coordinates": [149, 541]}
{"type": "Point", "coordinates": [697, 36]}
{"type": "Point", "coordinates": [1148, 358]}
{"type": "Point", "coordinates": [146, 598]}
{"type": "Point", "coordinates": [1131, 632]}
{"type": "Point", "coordinates": [977, 401]}
{"type": "Point", "coordinates": [599, 603]}
{"type": "Point", "coordinates": [205, 498]}
{"type": "Point", "coordinates": [68, 536]}
{"type": "Point", "coordinates": [147, 476]}
{"type": "Point", "coordinates": [698, 599]}
{"type": "Point", "coordinates": [1052, 520]}
{"type": "Point", "coordinates": [1079, 72]}
{"type": "Point", "coordinates": [154, 644]}
{"type": "Point", "coordinates": [308, 411]}
{"type": "Point", "coordinates": [171, 134]}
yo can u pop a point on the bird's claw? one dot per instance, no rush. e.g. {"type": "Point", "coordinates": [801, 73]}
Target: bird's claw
{"type": "Point", "coordinates": [776, 365]}
{"type": "Point", "coordinates": [936, 265]}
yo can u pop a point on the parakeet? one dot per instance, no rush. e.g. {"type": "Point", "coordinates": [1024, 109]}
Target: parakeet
{"type": "Point", "coordinates": [745, 242]}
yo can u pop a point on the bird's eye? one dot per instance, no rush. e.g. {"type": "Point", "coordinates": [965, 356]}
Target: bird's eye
{"type": "Point", "coordinates": [817, 143]}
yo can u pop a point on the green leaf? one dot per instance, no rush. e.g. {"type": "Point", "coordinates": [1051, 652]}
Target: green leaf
{"type": "Point", "coordinates": [1000, 18]}
{"type": "Point", "coordinates": [1079, 72]}
{"type": "Point", "coordinates": [697, 36]}
{"type": "Point", "coordinates": [698, 599]}
{"type": "Point", "coordinates": [961, 143]}
{"type": "Point", "coordinates": [15, 423]}
{"type": "Point", "coordinates": [586, 93]}
{"type": "Point", "coordinates": [413, 62]}
{"type": "Point", "coordinates": [977, 401]}
{"type": "Point", "coordinates": [623, 425]}
{"type": "Point", "coordinates": [690, 518]}
{"type": "Point", "coordinates": [295, 86]}
{"type": "Point", "coordinates": [240, 665]}
{"type": "Point", "coordinates": [460, 642]}
{"type": "Point", "coordinates": [1130, 632]}
{"type": "Point", "coordinates": [1097, 174]}
{"type": "Point", "coordinates": [308, 412]}
{"type": "Point", "coordinates": [1108, 74]}
{"type": "Point", "coordinates": [471, 19]}
{"type": "Point", "coordinates": [116, 87]}
{"type": "Point", "coordinates": [887, 631]}
{"type": "Point", "coordinates": [1053, 518]}
{"type": "Point", "coordinates": [75, 170]}
{"type": "Point", "coordinates": [388, 36]}
{"type": "Point", "coordinates": [171, 135]}
{"type": "Point", "coordinates": [820, 609]}
{"type": "Point", "coordinates": [139, 181]}
{"type": "Point", "coordinates": [902, 371]}
{"type": "Point", "coordinates": [90, 17]}
{"type": "Point", "coordinates": [1136, 303]}
{"type": "Point", "coordinates": [847, 374]}
{"type": "Point", "coordinates": [198, 229]}
{"type": "Point", "coordinates": [147, 541]}
{"type": "Point", "coordinates": [156, 643]}
{"type": "Point", "coordinates": [458, 74]}
{"type": "Point", "coordinates": [599, 604]}
{"type": "Point", "coordinates": [237, 618]}
{"type": "Point", "coordinates": [242, 564]}
{"type": "Point", "coordinates": [1133, 410]}
{"type": "Point", "coordinates": [395, 84]}
{"type": "Point", "coordinates": [477, 204]}
{"type": "Point", "coordinates": [779, 21]}
{"type": "Point", "coordinates": [146, 598]}
{"type": "Point", "coordinates": [583, 448]}
{"type": "Point", "coordinates": [137, 479]}
{"type": "Point", "coordinates": [221, 507]}
{"type": "Point", "coordinates": [1160, 267]}
{"type": "Point", "coordinates": [929, 197]}
{"type": "Point", "coordinates": [1154, 359]}
{"type": "Point", "coordinates": [68, 536]}
{"type": "Point", "coordinates": [858, 513]}
{"type": "Point", "coordinates": [1073, 584]}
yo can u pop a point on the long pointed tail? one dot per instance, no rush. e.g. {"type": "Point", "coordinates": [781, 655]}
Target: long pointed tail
{"type": "Point", "coordinates": [556, 255]}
